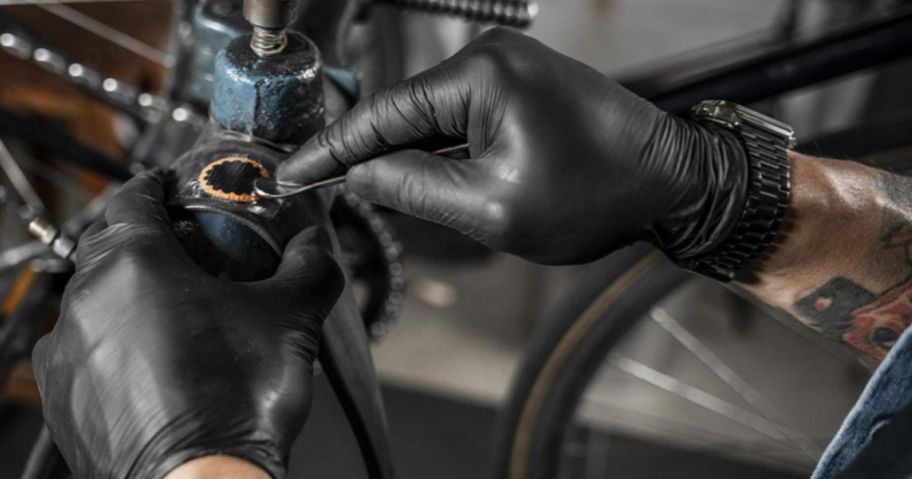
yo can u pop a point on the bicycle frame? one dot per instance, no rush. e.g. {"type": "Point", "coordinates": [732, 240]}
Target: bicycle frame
{"type": "Point", "coordinates": [345, 354]}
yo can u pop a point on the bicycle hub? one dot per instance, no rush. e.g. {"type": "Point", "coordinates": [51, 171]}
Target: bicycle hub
{"type": "Point", "coordinates": [267, 97]}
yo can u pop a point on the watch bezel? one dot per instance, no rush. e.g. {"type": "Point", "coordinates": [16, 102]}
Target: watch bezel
{"type": "Point", "coordinates": [732, 115]}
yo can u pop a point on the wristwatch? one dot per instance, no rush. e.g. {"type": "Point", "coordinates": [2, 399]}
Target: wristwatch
{"type": "Point", "coordinates": [766, 142]}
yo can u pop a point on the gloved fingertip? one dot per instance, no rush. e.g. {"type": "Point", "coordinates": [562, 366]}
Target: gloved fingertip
{"type": "Point", "coordinates": [307, 165]}
{"type": "Point", "coordinates": [92, 230]}
{"type": "Point", "coordinates": [39, 360]}
{"type": "Point", "coordinates": [307, 262]}
{"type": "Point", "coordinates": [311, 237]}
{"type": "Point", "coordinates": [156, 174]}
{"type": "Point", "coordinates": [140, 201]}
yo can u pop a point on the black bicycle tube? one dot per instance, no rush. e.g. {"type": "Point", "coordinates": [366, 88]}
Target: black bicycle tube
{"type": "Point", "coordinates": [845, 52]}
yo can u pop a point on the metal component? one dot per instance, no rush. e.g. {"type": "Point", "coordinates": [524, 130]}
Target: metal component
{"type": "Point", "coordinates": [511, 13]}
{"type": "Point", "coordinates": [732, 116]}
{"type": "Point", "coordinates": [273, 190]}
{"type": "Point", "coordinates": [62, 245]}
{"type": "Point", "coordinates": [271, 14]}
{"type": "Point", "coordinates": [786, 69]}
{"type": "Point", "coordinates": [381, 250]}
{"type": "Point", "coordinates": [215, 24]}
{"type": "Point", "coordinates": [56, 141]}
{"type": "Point", "coordinates": [280, 100]}
{"type": "Point", "coordinates": [44, 231]}
{"type": "Point", "coordinates": [15, 46]}
{"type": "Point", "coordinates": [696, 396]}
{"type": "Point", "coordinates": [27, 195]}
{"type": "Point", "coordinates": [84, 76]}
{"type": "Point", "coordinates": [269, 19]}
{"type": "Point", "coordinates": [266, 43]}
{"type": "Point", "coordinates": [50, 60]}
{"type": "Point", "coordinates": [127, 98]}
{"type": "Point", "coordinates": [112, 35]}
{"type": "Point", "coordinates": [738, 384]}
{"type": "Point", "coordinates": [766, 143]}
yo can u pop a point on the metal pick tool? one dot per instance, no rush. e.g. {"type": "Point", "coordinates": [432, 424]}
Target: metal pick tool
{"type": "Point", "coordinates": [271, 189]}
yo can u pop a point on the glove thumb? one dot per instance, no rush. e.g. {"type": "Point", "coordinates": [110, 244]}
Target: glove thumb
{"type": "Point", "coordinates": [308, 271]}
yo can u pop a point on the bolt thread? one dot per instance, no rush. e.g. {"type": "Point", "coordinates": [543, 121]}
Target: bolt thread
{"type": "Point", "coordinates": [265, 42]}
{"type": "Point", "coordinates": [512, 13]}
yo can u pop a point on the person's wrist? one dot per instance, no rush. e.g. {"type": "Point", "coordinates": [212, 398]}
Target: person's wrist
{"type": "Point", "coordinates": [819, 187]}
{"type": "Point", "coordinates": [217, 466]}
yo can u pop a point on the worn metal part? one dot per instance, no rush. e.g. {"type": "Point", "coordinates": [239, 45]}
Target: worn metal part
{"type": "Point", "coordinates": [271, 14]}
{"type": "Point", "coordinates": [215, 24]}
{"type": "Point", "coordinates": [146, 106]}
{"type": "Point", "coordinates": [270, 18]}
{"type": "Point", "coordinates": [510, 13]}
{"type": "Point", "coordinates": [30, 204]}
{"type": "Point", "coordinates": [50, 235]}
{"type": "Point", "coordinates": [239, 239]}
{"type": "Point", "coordinates": [279, 98]}
{"type": "Point", "coordinates": [371, 250]}
{"type": "Point", "coordinates": [266, 43]}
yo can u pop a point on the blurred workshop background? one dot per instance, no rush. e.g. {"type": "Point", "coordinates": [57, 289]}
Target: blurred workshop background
{"type": "Point", "coordinates": [706, 384]}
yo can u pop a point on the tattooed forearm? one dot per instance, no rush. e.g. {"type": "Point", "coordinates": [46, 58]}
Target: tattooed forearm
{"type": "Point", "coordinates": [869, 322]}
{"type": "Point", "coordinates": [845, 268]}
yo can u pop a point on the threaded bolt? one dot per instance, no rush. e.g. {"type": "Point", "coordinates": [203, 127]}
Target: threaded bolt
{"type": "Point", "coordinates": [265, 42]}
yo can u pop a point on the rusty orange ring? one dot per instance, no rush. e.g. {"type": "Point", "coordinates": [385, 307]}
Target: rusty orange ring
{"type": "Point", "coordinates": [216, 192]}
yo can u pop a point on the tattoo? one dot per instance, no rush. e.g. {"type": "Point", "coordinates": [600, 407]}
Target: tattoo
{"type": "Point", "coordinates": [871, 322]}
{"type": "Point", "coordinates": [848, 312]}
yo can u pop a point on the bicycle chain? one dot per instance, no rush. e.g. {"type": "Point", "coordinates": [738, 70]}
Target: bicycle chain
{"type": "Point", "coordinates": [510, 13]}
{"type": "Point", "coordinates": [146, 106]}
{"type": "Point", "coordinates": [383, 233]}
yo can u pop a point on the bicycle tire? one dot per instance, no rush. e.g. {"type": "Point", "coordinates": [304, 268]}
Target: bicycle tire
{"type": "Point", "coordinates": [567, 352]}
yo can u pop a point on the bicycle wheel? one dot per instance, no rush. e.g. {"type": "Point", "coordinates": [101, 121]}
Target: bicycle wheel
{"type": "Point", "coordinates": [645, 352]}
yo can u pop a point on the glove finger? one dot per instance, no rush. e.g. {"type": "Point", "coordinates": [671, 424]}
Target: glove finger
{"type": "Point", "coordinates": [39, 360]}
{"type": "Point", "coordinates": [308, 271]}
{"type": "Point", "coordinates": [423, 185]}
{"type": "Point", "coordinates": [140, 201]}
{"type": "Point", "coordinates": [92, 230]}
{"type": "Point", "coordinates": [86, 246]}
{"type": "Point", "coordinates": [432, 104]}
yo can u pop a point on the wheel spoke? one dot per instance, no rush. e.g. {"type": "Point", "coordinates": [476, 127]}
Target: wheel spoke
{"type": "Point", "coordinates": [6, 3]}
{"type": "Point", "coordinates": [104, 31]}
{"type": "Point", "coordinates": [20, 182]}
{"type": "Point", "coordinates": [697, 396]}
{"type": "Point", "coordinates": [738, 384]}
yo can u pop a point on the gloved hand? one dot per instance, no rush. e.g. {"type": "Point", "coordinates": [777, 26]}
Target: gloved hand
{"type": "Point", "coordinates": [565, 165]}
{"type": "Point", "coordinates": [154, 362]}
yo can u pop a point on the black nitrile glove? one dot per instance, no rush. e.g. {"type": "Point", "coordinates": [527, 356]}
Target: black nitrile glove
{"type": "Point", "coordinates": [565, 165]}
{"type": "Point", "coordinates": [154, 362]}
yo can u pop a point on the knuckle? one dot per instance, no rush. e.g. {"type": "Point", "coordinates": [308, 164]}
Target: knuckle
{"type": "Point", "coordinates": [500, 34]}
{"type": "Point", "coordinates": [501, 220]}
{"type": "Point", "coordinates": [502, 60]}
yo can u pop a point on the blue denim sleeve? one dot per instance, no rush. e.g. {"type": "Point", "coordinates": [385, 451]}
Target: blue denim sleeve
{"type": "Point", "coordinates": [888, 391]}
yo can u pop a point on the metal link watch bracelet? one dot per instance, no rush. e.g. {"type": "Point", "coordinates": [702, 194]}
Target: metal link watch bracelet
{"type": "Point", "coordinates": [766, 142]}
